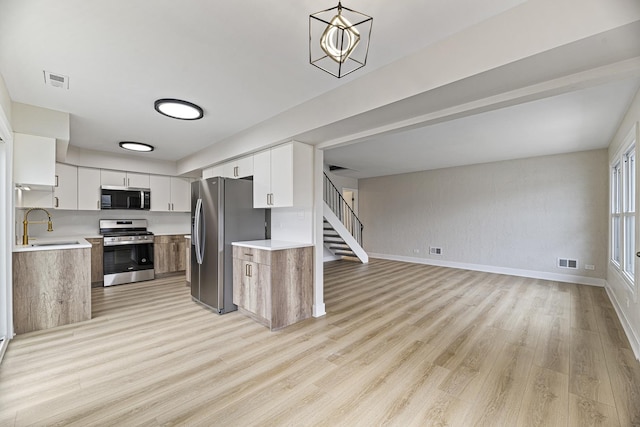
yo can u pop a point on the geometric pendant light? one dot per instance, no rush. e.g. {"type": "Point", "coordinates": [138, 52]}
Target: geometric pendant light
{"type": "Point", "coordinates": [339, 40]}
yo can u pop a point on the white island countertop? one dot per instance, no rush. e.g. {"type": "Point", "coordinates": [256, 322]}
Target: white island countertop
{"type": "Point", "coordinates": [271, 245]}
{"type": "Point", "coordinates": [52, 244]}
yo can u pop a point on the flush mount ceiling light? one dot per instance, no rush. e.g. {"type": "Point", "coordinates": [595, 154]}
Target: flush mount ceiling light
{"type": "Point", "coordinates": [136, 146]}
{"type": "Point", "coordinates": [339, 40]}
{"type": "Point", "coordinates": [178, 109]}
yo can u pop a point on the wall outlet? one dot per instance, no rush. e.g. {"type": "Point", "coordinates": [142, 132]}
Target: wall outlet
{"type": "Point", "coordinates": [416, 251]}
{"type": "Point", "coordinates": [589, 267]}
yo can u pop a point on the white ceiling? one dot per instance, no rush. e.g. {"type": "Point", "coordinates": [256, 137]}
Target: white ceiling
{"type": "Point", "coordinates": [246, 63]}
{"type": "Point", "coordinates": [576, 121]}
{"type": "Point", "coordinates": [242, 61]}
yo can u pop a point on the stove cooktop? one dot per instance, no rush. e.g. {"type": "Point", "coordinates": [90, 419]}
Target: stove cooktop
{"type": "Point", "coordinates": [126, 233]}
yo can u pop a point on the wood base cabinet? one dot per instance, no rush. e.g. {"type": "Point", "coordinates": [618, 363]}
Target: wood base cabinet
{"type": "Point", "coordinates": [51, 288]}
{"type": "Point", "coordinates": [168, 254]}
{"type": "Point", "coordinates": [274, 287]}
{"type": "Point", "coordinates": [97, 256]}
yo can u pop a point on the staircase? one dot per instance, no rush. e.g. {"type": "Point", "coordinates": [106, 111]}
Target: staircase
{"type": "Point", "coordinates": [342, 228]}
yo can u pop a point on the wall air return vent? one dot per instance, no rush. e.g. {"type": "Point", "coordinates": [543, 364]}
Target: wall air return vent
{"type": "Point", "coordinates": [567, 263]}
{"type": "Point", "coordinates": [56, 80]}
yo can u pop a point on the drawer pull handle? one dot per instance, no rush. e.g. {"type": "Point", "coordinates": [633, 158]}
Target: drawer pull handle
{"type": "Point", "coordinates": [248, 254]}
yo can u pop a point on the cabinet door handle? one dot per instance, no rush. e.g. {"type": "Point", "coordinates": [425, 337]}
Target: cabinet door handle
{"type": "Point", "coordinates": [172, 206]}
{"type": "Point", "coordinates": [168, 206]}
{"type": "Point", "coordinates": [57, 202]}
{"type": "Point", "coordinates": [56, 180]}
{"type": "Point", "coordinates": [235, 171]}
{"type": "Point", "coordinates": [98, 203]}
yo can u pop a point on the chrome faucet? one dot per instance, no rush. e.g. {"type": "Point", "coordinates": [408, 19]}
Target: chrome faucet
{"type": "Point", "coordinates": [25, 224]}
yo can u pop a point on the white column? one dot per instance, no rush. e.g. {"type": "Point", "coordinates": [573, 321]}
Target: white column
{"type": "Point", "coordinates": [318, 264]}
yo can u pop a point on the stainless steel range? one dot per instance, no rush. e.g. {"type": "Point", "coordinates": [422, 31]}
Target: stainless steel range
{"type": "Point", "coordinates": [128, 251]}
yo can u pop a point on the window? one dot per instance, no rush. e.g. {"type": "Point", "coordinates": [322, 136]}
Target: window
{"type": "Point", "coordinates": [623, 210]}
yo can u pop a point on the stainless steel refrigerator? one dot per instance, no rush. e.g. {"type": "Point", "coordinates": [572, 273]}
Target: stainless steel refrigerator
{"type": "Point", "coordinates": [221, 212]}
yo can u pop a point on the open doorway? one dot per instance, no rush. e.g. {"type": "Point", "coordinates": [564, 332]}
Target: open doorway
{"type": "Point", "coordinates": [351, 197]}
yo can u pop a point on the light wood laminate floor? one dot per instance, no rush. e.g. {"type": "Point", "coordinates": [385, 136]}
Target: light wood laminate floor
{"type": "Point", "coordinates": [401, 345]}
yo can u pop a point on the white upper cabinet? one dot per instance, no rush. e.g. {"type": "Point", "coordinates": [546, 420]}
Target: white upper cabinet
{"type": "Point", "coordinates": [283, 176]}
{"type": "Point", "coordinates": [138, 180]}
{"type": "Point", "coordinates": [180, 194]}
{"type": "Point", "coordinates": [88, 189]}
{"type": "Point", "coordinates": [34, 160]}
{"type": "Point", "coordinates": [170, 194]}
{"type": "Point", "coordinates": [261, 179]}
{"type": "Point", "coordinates": [160, 193]}
{"type": "Point", "coordinates": [240, 168]}
{"type": "Point", "coordinates": [124, 179]}
{"type": "Point", "coordinates": [213, 171]}
{"type": "Point", "coordinates": [65, 191]}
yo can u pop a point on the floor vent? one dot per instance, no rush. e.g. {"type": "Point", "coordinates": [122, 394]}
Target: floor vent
{"type": "Point", "coordinates": [435, 251]}
{"type": "Point", "coordinates": [56, 80]}
{"type": "Point", "coordinates": [567, 263]}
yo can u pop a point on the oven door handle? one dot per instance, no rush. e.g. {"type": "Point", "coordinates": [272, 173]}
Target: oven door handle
{"type": "Point", "coordinates": [196, 231]}
{"type": "Point", "coordinates": [141, 199]}
{"type": "Point", "coordinates": [140, 242]}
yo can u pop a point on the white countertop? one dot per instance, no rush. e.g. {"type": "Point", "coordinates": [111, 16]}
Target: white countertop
{"type": "Point", "coordinates": [271, 245]}
{"type": "Point", "coordinates": [52, 244]}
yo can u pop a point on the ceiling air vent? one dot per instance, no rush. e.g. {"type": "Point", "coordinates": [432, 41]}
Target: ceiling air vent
{"type": "Point", "coordinates": [56, 80]}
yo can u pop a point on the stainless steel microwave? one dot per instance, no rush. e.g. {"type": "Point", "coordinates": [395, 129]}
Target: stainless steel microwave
{"type": "Point", "coordinates": [125, 198]}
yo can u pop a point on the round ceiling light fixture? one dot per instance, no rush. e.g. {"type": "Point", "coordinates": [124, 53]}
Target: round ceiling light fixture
{"type": "Point", "coordinates": [136, 146]}
{"type": "Point", "coordinates": [178, 109]}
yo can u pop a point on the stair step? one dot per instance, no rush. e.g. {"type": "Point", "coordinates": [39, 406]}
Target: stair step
{"type": "Point", "coordinates": [336, 239]}
{"type": "Point", "coordinates": [339, 246]}
{"type": "Point", "coordinates": [344, 253]}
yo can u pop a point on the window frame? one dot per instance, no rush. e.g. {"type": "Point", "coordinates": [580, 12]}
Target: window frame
{"type": "Point", "coordinates": [622, 210]}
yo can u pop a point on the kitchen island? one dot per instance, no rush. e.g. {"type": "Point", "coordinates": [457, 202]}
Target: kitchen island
{"type": "Point", "coordinates": [273, 281]}
{"type": "Point", "coordinates": [51, 283]}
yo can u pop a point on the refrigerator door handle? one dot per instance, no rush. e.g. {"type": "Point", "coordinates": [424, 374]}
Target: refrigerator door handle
{"type": "Point", "coordinates": [196, 231]}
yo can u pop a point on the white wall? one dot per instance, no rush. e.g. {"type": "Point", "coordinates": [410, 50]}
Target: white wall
{"type": "Point", "coordinates": [514, 217]}
{"type": "Point", "coordinates": [128, 162]}
{"type": "Point", "coordinates": [6, 214]}
{"type": "Point", "coordinates": [85, 223]}
{"type": "Point", "coordinates": [626, 303]}
{"type": "Point", "coordinates": [341, 182]}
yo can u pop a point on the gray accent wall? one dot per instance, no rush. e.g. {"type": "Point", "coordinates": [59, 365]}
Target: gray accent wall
{"type": "Point", "coordinates": [519, 215]}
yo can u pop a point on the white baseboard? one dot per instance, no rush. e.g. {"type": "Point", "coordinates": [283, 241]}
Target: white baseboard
{"type": "Point", "coordinates": [633, 338]}
{"type": "Point", "coordinates": [328, 258]}
{"type": "Point", "coordinates": [319, 310]}
{"type": "Point", "coordinates": [568, 278]}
